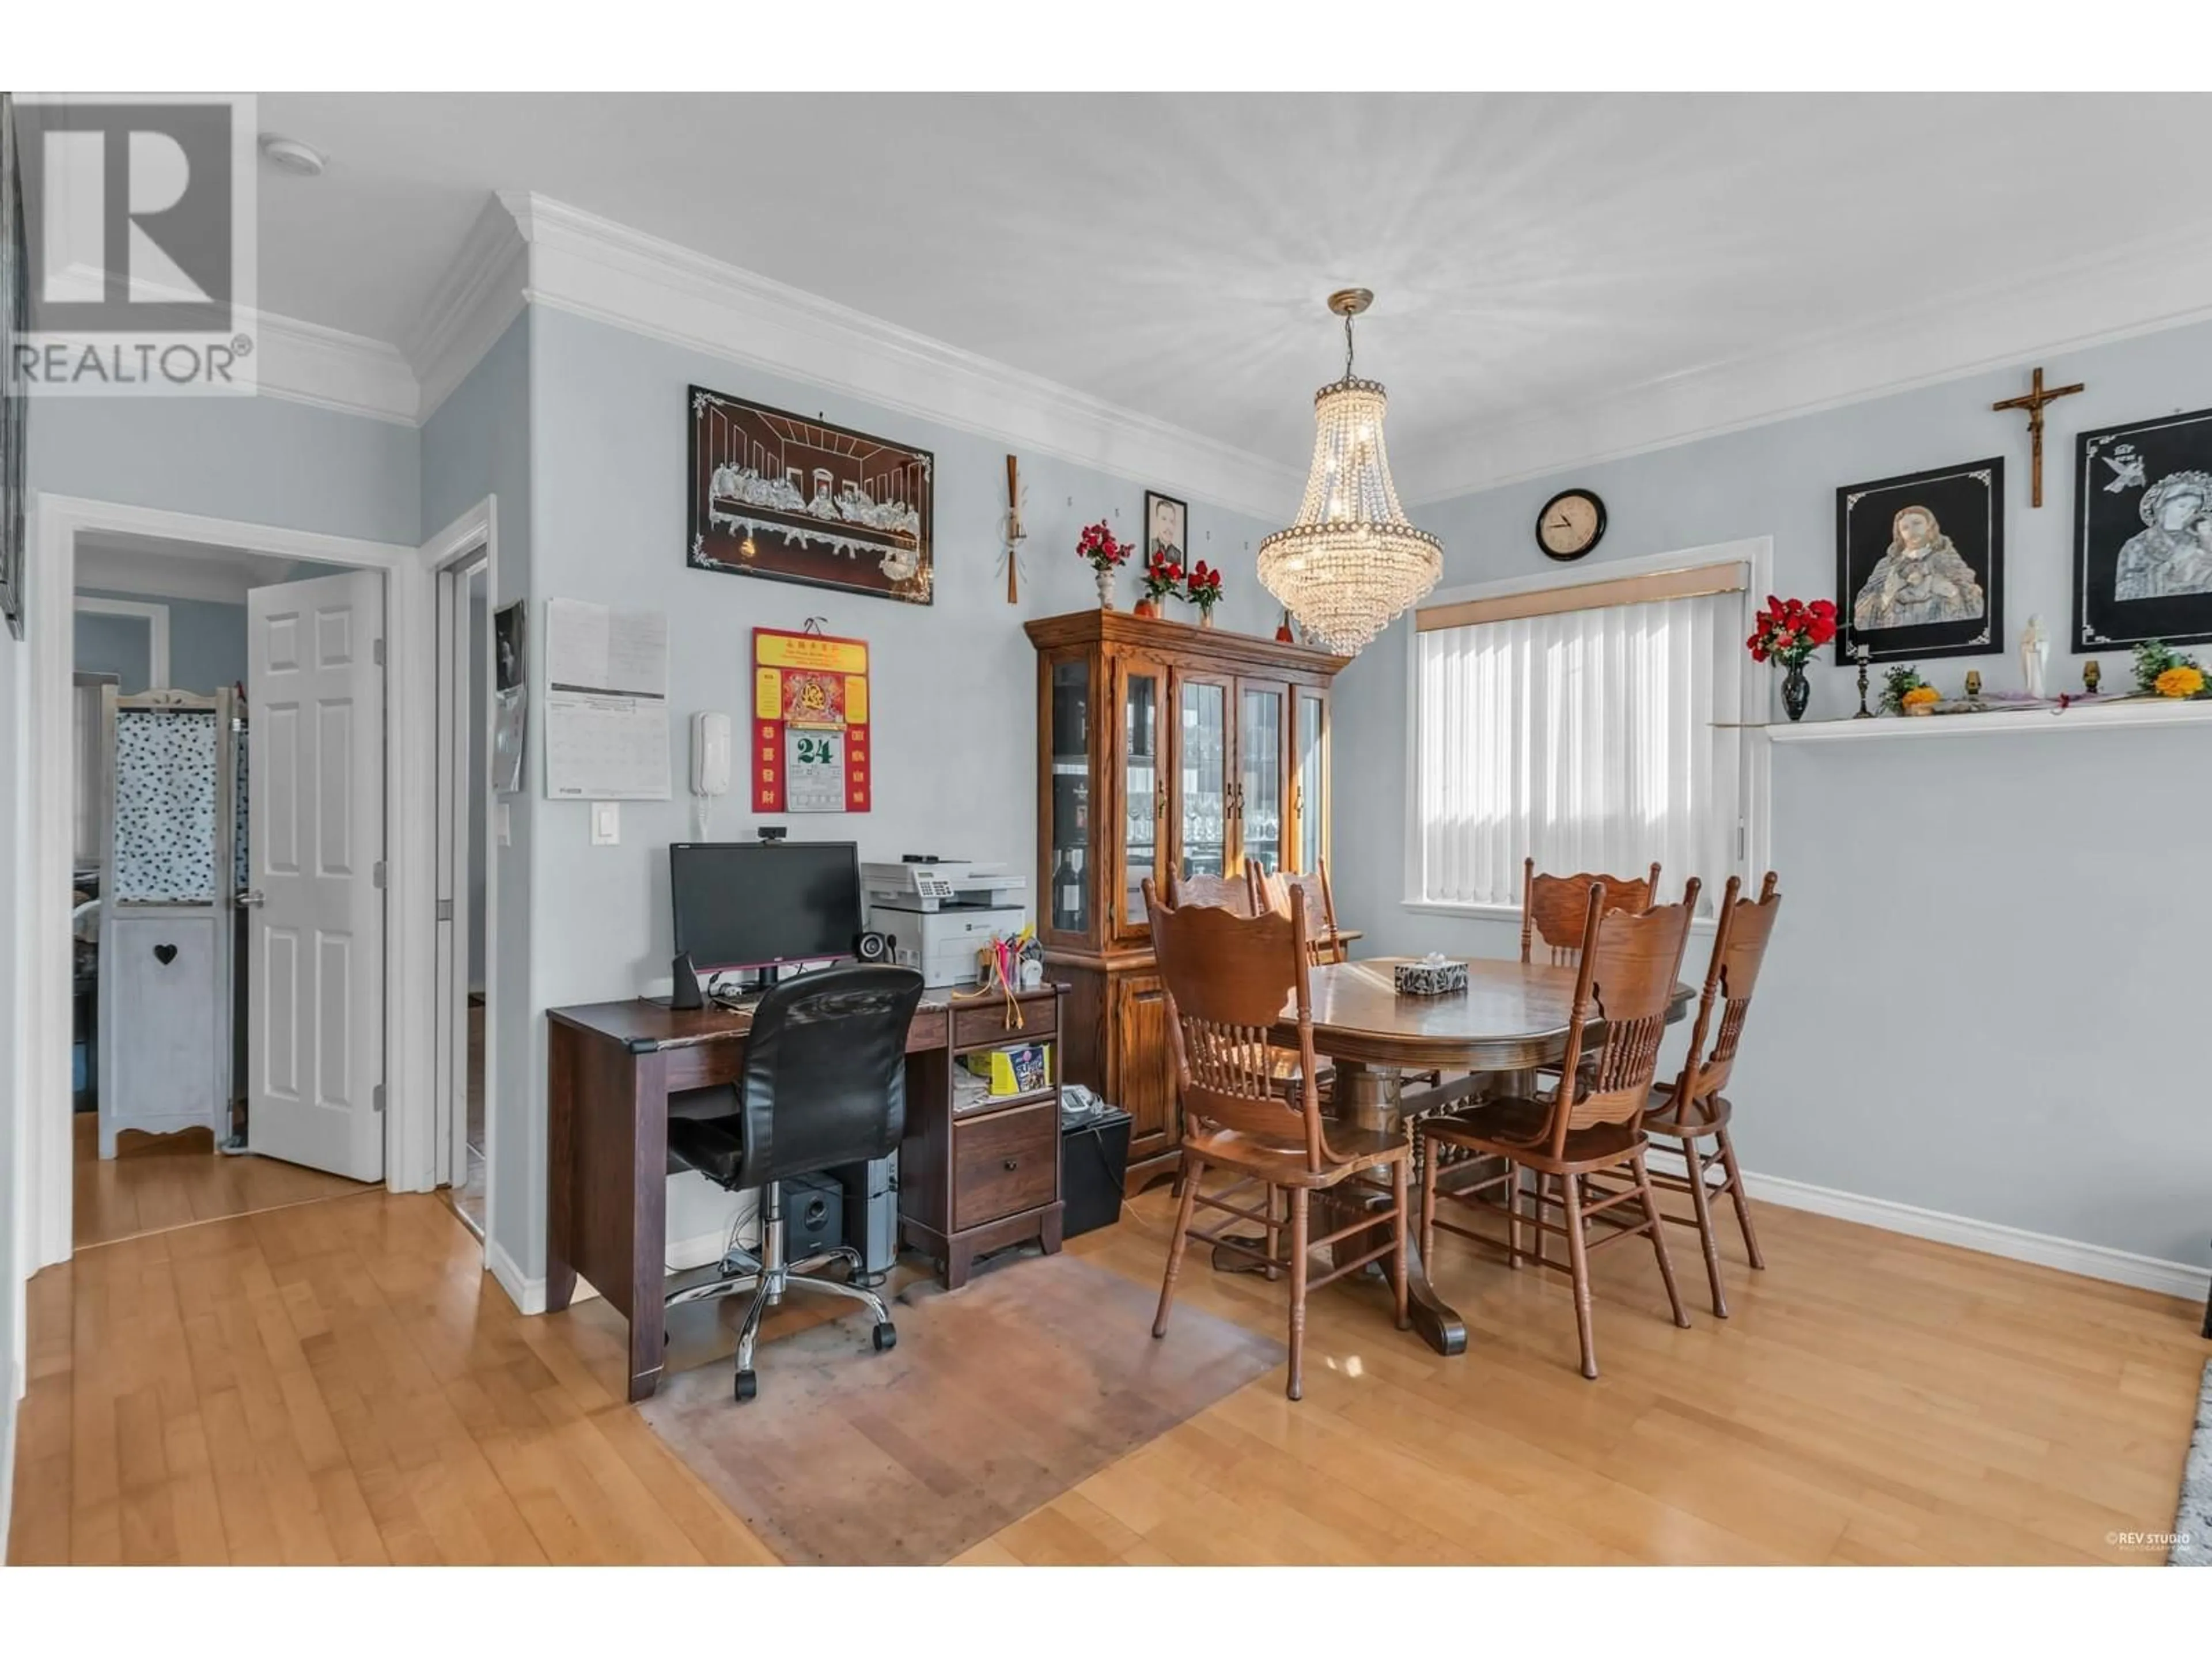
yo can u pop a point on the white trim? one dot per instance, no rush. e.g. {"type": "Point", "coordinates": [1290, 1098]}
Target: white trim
{"type": "Point", "coordinates": [10, 1410]}
{"type": "Point", "coordinates": [527, 1294]}
{"type": "Point", "coordinates": [1755, 788]}
{"type": "Point", "coordinates": [2133, 289]}
{"type": "Point", "coordinates": [480, 293]}
{"type": "Point", "coordinates": [592, 267]}
{"type": "Point", "coordinates": [156, 618]}
{"type": "Point", "coordinates": [2081, 717]}
{"type": "Point", "coordinates": [2146, 1273]}
{"type": "Point", "coordinates": [304, 362]}
{"type": "Point", "coordinates": [44, 1011]}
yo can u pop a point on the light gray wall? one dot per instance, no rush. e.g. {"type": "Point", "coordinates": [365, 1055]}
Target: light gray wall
{"type": "Point", "coordinates": [207, 643]}
{"type": "Point", "coordinates": [478, 444]}
{"type": "Point", "coordinates": [1985, 954]}
{"type": "Point", "coordinates": [953, 683]}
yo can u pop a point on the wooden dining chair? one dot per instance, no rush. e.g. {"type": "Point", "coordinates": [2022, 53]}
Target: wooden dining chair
{"type": "Point", "coordinates": [1628, 961]}
{"type": "Point", "coordinates": [1693, 1110]}
{"type": "Point", "coordinates": [1231, 893]}
{"type": "Point", "coordinates": [1226, 980]}
{"type": "Point", "coordinates": [1272, 892]}
{"type": "Point", "coordinates": [1555, 908]}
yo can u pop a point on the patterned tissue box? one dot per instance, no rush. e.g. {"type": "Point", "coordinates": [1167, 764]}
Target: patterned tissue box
{"type": "Point", "coordinates": [1430, 979]}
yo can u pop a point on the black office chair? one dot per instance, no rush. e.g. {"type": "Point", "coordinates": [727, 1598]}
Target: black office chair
{"type": "Point", "coordinates": [825, 1083]}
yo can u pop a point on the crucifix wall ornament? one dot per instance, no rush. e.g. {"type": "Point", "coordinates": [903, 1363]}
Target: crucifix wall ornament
{"type": "Point", "coordinates": [2033, 403]}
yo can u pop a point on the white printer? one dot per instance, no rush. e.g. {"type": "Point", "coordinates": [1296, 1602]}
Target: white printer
{"type": "Point", "coordinates": [941, 912]}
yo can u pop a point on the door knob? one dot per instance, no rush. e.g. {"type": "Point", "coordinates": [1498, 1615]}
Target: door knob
{"type": "Point", "coordinates": [251, 898]}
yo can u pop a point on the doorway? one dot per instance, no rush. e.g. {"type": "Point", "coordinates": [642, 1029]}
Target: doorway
{"type": "Point", "coordinates": [466, 815]}
{"type": "Point", "coordinates": [75, 539]}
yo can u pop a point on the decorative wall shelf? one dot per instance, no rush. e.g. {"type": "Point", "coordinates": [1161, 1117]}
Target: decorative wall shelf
{"type": "Point", "coordinates": [2081, 716]}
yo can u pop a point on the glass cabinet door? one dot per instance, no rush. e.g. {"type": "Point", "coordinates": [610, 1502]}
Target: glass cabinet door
{"type": "Point", "coordinates": [1202, 763]}
{"type": "Point", "coordinates": [1068, 904]}
{"type": "Point", "coordinates": [1309, 779]}
{"type": "Point", "coordinates": [1141, 692]}
{"type": "Point", "coordinates": [1258, 803]}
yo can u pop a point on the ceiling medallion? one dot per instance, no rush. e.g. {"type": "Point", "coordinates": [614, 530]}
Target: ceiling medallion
{"type": "Point", "coordinates": [1352, 564]}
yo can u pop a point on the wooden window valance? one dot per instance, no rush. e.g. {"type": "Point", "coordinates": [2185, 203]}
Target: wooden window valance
{"type": "Point", "coordinates": [1690, 583]}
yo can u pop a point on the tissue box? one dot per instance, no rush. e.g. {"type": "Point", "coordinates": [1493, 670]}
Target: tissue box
{"type": "Point", "coordinates": [1430, 979]}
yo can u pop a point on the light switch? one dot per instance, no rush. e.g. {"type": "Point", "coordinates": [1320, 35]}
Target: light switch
{"type": "Point", "coordinates": [606, 823]}
{"type": "Point", "coordinates": [503, 825]}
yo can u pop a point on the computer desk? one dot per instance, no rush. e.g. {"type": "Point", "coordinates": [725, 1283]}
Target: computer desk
{"type": "Point", "coordinates": [968, 1181]}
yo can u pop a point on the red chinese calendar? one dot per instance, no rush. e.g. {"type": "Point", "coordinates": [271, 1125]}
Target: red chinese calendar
{"type": "Point", "coordinates": [810, 746]}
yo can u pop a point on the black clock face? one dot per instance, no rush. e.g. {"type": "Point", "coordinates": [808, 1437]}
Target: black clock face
{"type": "Point", "coordinates": [1571, 524]}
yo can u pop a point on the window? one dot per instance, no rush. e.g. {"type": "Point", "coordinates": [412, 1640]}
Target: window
{"type": "Point", "coordinates": [1589, 728]}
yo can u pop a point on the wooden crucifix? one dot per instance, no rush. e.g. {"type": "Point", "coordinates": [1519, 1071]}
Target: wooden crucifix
{"type": "Point", "coordinates": [2033, 403]}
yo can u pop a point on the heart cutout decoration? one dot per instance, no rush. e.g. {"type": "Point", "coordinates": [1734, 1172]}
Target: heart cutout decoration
{"type": "Point", "coordinates": [165, 954]}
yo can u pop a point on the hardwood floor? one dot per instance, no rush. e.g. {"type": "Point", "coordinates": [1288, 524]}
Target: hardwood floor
{"type": "Point", "coordinates": [158, 1181]}
{"type": "Point", "coordinates": [339, 1380]}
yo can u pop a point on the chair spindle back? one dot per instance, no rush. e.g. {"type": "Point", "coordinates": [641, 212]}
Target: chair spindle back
{"type": "Point", "coordinates": [1555, 908]}
{"type": "Point", "coordinates": [1626, 979]}
{"type": "Point", "coordinates": [1739, 942]}
{"type": "Point", "coordinates": [1272, 892]}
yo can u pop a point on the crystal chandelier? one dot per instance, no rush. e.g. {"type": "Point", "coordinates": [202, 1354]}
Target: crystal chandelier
{"type": "Point", "coordinates": [1351, 564]}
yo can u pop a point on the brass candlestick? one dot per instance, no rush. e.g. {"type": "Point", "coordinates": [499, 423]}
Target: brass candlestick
{"type": "Point", "coordinates": [1865, 656]}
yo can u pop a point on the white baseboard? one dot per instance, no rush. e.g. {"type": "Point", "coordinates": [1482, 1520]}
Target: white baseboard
{"type": "Point", "coordinates": [2145, 1272]}
{"type": "Point", "coordinates": [527, 1294]}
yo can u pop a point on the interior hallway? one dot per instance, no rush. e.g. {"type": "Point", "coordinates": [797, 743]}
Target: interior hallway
{"type": "Point", "coordinates": [339, 1380]}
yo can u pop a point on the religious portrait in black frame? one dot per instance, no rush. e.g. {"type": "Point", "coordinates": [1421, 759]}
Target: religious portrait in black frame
{"type": "Point", "coordinates": [792, 498]}
{"type": "Point", "coordinates": [1920, 564]}
{"type": "Point", "coordinates": [2142, 533]}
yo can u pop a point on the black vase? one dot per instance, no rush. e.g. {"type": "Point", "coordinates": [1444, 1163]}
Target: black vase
{"type": "Point", "coordinates": [1797, 692]}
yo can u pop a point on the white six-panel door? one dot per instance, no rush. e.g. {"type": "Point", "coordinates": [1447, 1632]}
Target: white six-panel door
{"type": "Point", "coordinates": [315, 829]}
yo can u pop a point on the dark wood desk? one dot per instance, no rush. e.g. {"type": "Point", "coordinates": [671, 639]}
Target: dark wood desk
{"type": "Point", "coordinates": [968, 1181]}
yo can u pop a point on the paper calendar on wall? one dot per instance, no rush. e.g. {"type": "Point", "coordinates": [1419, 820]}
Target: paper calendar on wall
{"type": "Point", "coordinates": [809, 748]}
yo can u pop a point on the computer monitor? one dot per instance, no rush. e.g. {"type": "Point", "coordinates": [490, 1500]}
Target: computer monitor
{"type": "Point", "coordinates": [758, 904]}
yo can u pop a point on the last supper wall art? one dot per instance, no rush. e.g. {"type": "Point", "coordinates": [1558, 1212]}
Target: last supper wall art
{"type": "Point", "coordinates": [1920, 564]}
{"type": "Point", "coordinates": [2142, 533]}
{"type": "Point", "coordinates": [795, 499]}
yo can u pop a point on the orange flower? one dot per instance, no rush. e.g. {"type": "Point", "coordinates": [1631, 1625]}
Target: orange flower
{"type": "Point", "coordinates": [1921, 696]}
{"type": "Point", "coordinates": [2179, 681]}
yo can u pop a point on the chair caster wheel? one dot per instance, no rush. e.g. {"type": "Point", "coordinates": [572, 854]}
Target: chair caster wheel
{"type": "Point", "coordinates": [748, 1385]}
{"type": "Point", "coordinates": [886, 1337]}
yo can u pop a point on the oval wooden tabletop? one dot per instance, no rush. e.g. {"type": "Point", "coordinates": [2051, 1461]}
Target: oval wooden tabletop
{"type": "Point", "coordinates": [1512, 1015]}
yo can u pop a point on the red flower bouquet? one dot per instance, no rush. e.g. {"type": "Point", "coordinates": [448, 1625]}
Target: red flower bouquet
{"type": "Point", "coordinates": [1097, 548]}
{"type": "Point", "coordinates": [1204, 588]}
{"type": "Point", "coordinates": [1163, 577]}
{"type": "Point", "coordinates": [1789, 631]}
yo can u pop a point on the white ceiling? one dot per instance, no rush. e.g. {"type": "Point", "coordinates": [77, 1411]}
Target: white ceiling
{"type": "Point", "coordinates": [116, 561]}
{"type": "Point", "coordinates": [1536, 257]}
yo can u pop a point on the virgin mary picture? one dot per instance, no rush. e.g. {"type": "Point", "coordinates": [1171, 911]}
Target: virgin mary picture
{"type": "Point", "coordinates": [1920, 563]}
{"type": "Point", "coordinates": [1920, 579]}
{"type": "Point", "coordinates": [2142, 533]}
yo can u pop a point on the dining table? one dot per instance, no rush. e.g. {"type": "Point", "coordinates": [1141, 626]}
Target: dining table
{"type": "Point", "coordinates": [1510, 1020]}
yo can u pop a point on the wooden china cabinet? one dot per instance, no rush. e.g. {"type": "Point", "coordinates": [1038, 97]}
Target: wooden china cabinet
{"type": "Point", "coordinates": [1160, 747]}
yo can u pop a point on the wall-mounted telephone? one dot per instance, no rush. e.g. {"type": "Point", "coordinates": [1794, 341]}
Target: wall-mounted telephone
{"type": "Point", "coordinates": [710, 763]}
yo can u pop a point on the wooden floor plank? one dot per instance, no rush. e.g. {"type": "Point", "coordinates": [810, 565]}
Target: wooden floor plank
{"type": "Point", "coordinates": [335, 1378]}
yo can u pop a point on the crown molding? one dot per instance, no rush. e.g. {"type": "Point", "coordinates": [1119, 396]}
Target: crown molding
{"type": "Point", "coordinates": [592, 267]}
{"type": "Point", "coordinates": [482, 292]}
{"type": "Point", "coordinates": [306, 363]}
{"type": "Point", "coordinates": [2099, 298]}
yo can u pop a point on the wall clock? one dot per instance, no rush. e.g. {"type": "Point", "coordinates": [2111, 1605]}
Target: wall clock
{"type": "Point", "coordinates": [1571, 524]}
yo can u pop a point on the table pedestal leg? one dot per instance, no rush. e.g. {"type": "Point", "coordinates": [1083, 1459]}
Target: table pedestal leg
{"type": "Point", "coordinates": [1369, 1098]}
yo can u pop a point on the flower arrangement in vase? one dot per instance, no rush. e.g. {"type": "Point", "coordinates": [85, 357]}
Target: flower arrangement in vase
{"type": "Point", "coordinates": [1904, 692]}
{"type": "Point", "coordinates": [1788, 631]}
{"type": "Point", "coordinates": [1097, 547]}
{"type": "Point", "coordinates": [2162, 671]}
{"type": "Point", "coordinates": [1163, 578]}
{"type": "Point", "coordinates": [1203, 589]}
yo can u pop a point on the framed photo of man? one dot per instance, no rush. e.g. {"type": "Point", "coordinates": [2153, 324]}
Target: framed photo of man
{"type": "Point", "coordinates": [1167, 526]}
{"type": "Point", "coordinates": [1920, 564]}
{"type": "Point", "coordinates": [2142, 533]}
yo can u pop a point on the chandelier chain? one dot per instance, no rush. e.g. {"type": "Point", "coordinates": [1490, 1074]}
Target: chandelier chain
{"type": "Point", "coordinates": [1347, 348]}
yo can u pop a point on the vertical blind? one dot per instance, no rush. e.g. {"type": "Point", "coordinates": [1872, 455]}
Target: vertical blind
{"type": "Point", "coordinates": [1583, 738]}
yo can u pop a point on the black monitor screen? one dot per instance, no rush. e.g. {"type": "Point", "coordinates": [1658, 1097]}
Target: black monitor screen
{"type": "Point", "coordinates": [748, 904]}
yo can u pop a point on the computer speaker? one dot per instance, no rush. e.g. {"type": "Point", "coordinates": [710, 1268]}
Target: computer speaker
{"type": "Point", "coordinates": [873, 947]}
{"type": "Point", "coordinates": [685, 992]}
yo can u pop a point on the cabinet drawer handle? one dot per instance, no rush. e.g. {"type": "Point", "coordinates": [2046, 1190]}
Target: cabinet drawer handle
{"type": "Point", "coordinates": [1012, 1163]}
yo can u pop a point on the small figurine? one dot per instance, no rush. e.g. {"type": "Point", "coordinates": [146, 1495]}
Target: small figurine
{"type": "Point", "coordinates": [1864, 653]}
{"type": "Point", "coordinates": [1973, 682]}
{"type": "Point", "coordinates": [2034, 652]}
{"type": "Point", "coordinates": [2091, 676]}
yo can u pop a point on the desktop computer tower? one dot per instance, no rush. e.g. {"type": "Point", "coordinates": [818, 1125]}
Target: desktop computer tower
{"type": "Point", "coordinates": [871, 1214]}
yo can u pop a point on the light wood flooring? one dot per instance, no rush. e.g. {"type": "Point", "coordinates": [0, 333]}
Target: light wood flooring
{"type": "Point", "coordinates": [154, 1182]}
{"type": "Point", "coordinates": [339, 1380]}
